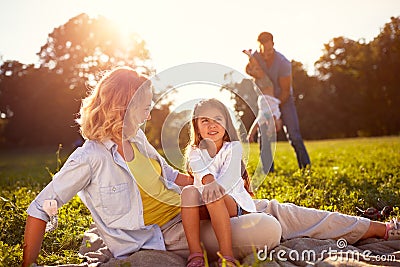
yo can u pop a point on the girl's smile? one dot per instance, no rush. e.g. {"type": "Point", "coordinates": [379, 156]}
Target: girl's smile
{"type": "Point", "coordinates": [211, 125]}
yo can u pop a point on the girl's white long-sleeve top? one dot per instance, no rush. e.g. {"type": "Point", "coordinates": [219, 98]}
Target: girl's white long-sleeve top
{"type": "Point", "coordinates": [226, 169]}
{"type": "Point", "coordinates": [268, 106]}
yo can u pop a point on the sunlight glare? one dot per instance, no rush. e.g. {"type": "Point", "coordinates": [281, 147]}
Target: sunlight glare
{"type": "Point", "coordinates": [182, 98]}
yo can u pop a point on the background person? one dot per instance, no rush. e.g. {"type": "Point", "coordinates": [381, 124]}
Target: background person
{"type": "Point", "coordinates": [268, 105]}
{"type": "Point", "coordinates": [279, 70]}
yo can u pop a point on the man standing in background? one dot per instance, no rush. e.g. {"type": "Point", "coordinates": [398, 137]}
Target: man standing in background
{"type": "Point", "coordinates": [279, 71]}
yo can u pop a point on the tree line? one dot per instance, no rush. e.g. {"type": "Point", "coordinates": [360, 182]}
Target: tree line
{"type": "Point", "coordinates": [356, 91]}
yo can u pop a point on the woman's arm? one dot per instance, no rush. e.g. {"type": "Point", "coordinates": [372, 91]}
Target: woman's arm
{"type": "Point", "coordinates": [34, 232]}
{"type": "Point", "coordinates": [72, 177]}
{"type": "Point", "coordinates": [184, 179]}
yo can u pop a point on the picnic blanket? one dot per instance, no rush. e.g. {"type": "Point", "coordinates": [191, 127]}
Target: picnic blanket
{"type": "Point", "coordinates": [294, 252]}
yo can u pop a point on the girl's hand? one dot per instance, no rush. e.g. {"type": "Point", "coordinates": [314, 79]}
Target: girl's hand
{"type": "Point", "coordinates": [212, 190]}
{"type": "Point", "coordinates": [184, 179]}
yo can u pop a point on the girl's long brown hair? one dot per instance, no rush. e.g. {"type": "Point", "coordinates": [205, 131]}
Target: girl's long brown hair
{"type": "Point", "coordinates": [230, 133]}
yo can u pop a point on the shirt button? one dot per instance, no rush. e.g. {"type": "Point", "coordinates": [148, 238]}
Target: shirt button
{"type": "Point", "coordinates": [114, 189]}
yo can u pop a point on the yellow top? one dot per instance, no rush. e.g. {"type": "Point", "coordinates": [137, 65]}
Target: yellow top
{"type": "Point", "coordinates": [160, 204]}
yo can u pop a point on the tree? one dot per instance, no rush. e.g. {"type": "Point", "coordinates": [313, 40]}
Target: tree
{"type": "Point", "coordinates": [84, 46]}
{"type": "Point", "coordinates": [344, 68]}
{"type": "Point", "coordinates": [245, 98]}
{"type": "Point", "coordinates": [37, 109]}
{"type": "Point", "coordinates": [361, 81]}
{"type": "Point", "coordinates": [385, 94]}
{"type": "Point", "coordinates": [10, 92]}
{"type": "Point", "coordinates": [44, 101]}
{"type": "Point", "coordinates": [310, 100]}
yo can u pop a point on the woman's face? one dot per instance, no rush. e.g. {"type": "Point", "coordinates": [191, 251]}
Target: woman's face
{"type": "Point", "coordinates": [211, 124]}
{"type": "Point", "coordinates": [137, 114]}
{"type": "Point", "coordinates": [143, 108]}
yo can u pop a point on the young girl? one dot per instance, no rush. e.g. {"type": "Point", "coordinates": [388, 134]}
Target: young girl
{"type": "Point", "coordinates": [214, 157]}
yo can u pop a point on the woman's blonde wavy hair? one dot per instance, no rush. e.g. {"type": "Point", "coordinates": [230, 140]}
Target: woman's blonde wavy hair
{"type": "Point", "coordinates": [102, 111]}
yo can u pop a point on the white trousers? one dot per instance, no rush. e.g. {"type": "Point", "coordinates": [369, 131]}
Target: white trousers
{"type": "Point", "coordinates": [299, 221]}
{"type": "Point", "coordinates": [274, 221]}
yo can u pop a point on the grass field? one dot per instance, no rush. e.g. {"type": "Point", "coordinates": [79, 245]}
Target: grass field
{"type": "Point", "coordinates": [344, 174]}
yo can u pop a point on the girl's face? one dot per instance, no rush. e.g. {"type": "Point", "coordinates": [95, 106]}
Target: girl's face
{"type": "Point", "coordinates": [211, 125]}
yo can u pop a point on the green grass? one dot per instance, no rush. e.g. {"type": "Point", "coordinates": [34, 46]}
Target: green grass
{"type": "Point", "coordinates": [23, 173]}
{"type": "Point", "coordinates": [344, 174]}
{"type": "Point", "coordinates": [29, 167]}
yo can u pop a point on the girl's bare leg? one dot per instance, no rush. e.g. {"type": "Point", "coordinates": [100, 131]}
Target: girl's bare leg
{"type": "Point", "coordinates": [191, 218]}
{"type": "Point", "coordinates": [220, 212]}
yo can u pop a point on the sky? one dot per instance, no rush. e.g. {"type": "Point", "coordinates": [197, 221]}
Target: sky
{"type": "Point", "coordinates": [179, 32]}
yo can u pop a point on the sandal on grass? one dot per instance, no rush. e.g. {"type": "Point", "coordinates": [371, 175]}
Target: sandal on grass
{"type": "Point", "coordinates": [229, 261]}
{"type": "Point", "coordinates": [195, 259]}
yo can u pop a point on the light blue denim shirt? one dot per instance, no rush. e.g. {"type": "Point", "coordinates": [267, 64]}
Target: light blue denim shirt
{"type": "Point", "coordinates": [101, 178]}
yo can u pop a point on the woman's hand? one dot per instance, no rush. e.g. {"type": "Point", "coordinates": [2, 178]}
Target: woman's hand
{"type": "Point", "coordinates": [212, 190]}
{"type": "Point", "coordinates": [183, 179]}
